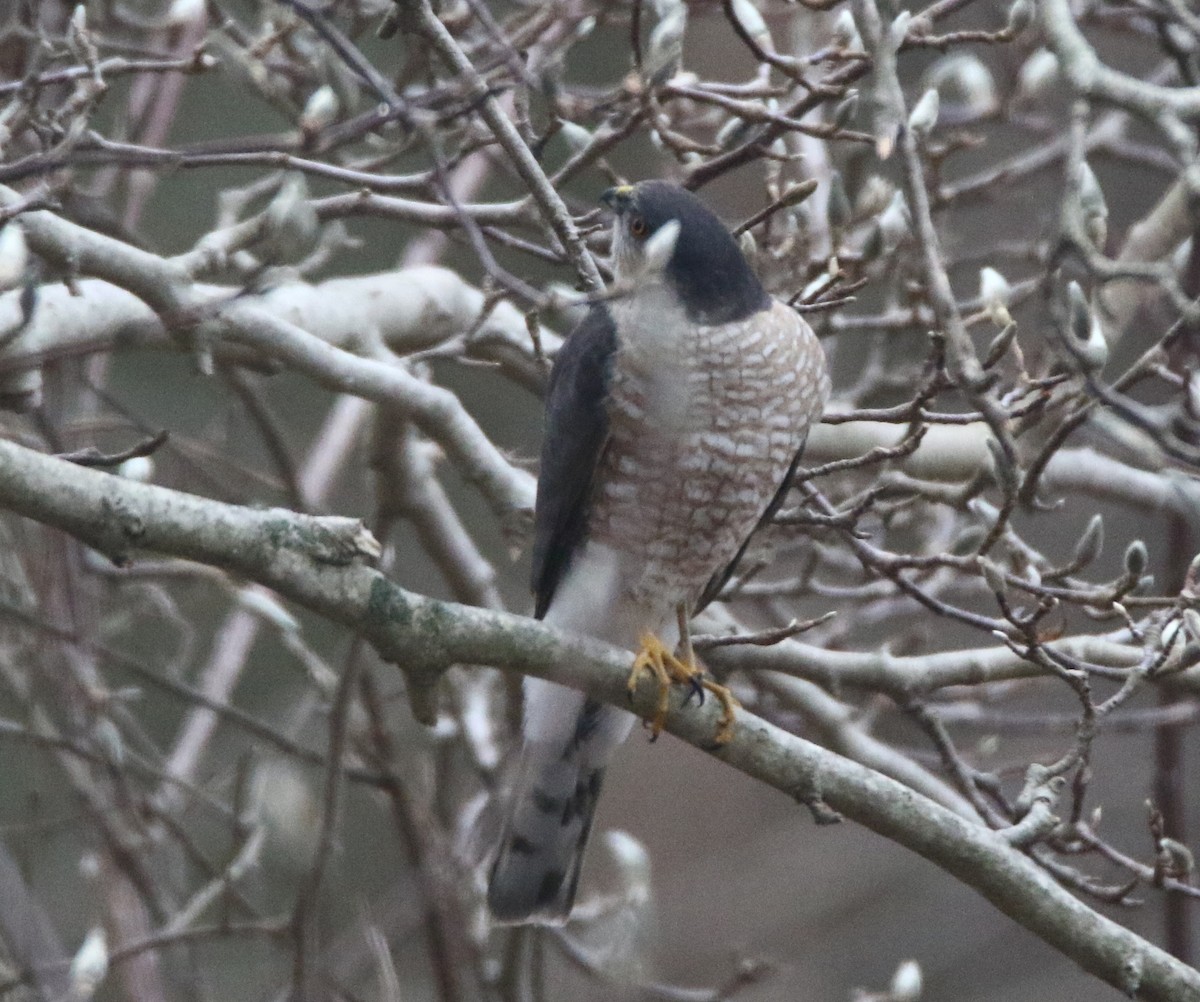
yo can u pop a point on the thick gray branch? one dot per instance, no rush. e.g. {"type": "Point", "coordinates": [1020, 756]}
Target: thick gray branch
{"type": "Point", "coordinates": [1089, 76]}
{"type": "Point", "coordinates": [956, 453]}
{"type": "Point", "coordinates": [318, 563]}
{"type": "Point", "coordinates": [906, 677]}
{"type": "Point", "coordinates": [408, 310]}
{"type": "Point", "coordinates": [197, 320]}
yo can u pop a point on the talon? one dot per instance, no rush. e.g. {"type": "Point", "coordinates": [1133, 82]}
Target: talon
{"type": "Point", "coordinates": [654, 659]}
{"type": "Point", "coordinates": [729, 703]}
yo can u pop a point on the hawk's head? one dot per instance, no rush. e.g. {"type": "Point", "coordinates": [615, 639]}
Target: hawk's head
{"type": "Point", "coordinates": [707, 269]}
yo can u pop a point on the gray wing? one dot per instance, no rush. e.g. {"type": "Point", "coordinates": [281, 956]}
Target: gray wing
{"type": "Point", "coordinates": [576, 432]}
{"type": "Point", "coordinates": [538, 861]}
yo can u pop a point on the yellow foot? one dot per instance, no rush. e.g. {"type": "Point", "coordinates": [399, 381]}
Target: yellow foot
{"type": "Point", "coordinates": [666, 668]}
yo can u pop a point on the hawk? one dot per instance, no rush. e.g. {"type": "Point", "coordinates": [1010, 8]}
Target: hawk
{"type": "Point", "coordinates": [675, 416]}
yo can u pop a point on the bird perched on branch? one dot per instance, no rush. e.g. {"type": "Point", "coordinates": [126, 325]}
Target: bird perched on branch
{"type": "Point", "coordinates": [675, 416]}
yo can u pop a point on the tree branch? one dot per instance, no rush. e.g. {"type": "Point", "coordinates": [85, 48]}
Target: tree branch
{"type": "Point", "coordinates": [321, 563]}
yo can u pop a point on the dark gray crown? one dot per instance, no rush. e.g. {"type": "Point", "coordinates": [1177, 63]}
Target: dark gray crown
{"type": "Point", "coordinates": [708, 270]}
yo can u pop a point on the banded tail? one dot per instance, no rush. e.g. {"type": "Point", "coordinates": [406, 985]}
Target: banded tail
{"type": "Point", "coordinates": [550, 815]}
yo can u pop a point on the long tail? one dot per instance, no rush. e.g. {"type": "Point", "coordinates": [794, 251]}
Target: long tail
{"type": "Point", "coordinates": [550, 816]}
{"type": "Point", "coordinates": [541, 853]}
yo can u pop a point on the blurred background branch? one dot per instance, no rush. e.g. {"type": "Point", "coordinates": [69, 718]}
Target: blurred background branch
{"type": "Point", "coordinates": [304, 266]}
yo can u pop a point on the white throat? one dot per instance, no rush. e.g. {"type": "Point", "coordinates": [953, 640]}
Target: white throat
{"type": "Point", "coordinates": [656, 345]}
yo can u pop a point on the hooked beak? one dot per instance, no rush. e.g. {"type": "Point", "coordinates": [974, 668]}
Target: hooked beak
{"type": "Point", "coordinates": [618, 198]}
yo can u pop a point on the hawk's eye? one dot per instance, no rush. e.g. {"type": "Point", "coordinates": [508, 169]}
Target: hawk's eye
{"type": "Point", "coordinates": [637, 225]}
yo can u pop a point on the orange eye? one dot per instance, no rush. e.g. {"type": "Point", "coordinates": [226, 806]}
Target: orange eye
{"type": "Point", "coordinates": [637, 226]}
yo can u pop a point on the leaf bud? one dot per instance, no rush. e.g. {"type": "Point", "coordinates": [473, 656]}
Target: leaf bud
{"type": "Point", "coordinates": [1136, 559]}
{"type": "Point", "coordinates": [1037, 75]}
{"type": "Point", "coordinates": [924, 115]}
{"type": "Point", "coordinates": [907, 983]}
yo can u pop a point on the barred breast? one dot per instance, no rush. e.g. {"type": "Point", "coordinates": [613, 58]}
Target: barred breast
{"type": "Point", "coordinates": [704, 423]}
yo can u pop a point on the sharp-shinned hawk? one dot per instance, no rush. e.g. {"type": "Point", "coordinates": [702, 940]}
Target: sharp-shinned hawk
{"type": "Point", "coordinates": [675, 414]}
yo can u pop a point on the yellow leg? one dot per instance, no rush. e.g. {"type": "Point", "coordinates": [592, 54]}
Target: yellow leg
{"type": "Point", "coordinates": [654, 658]}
